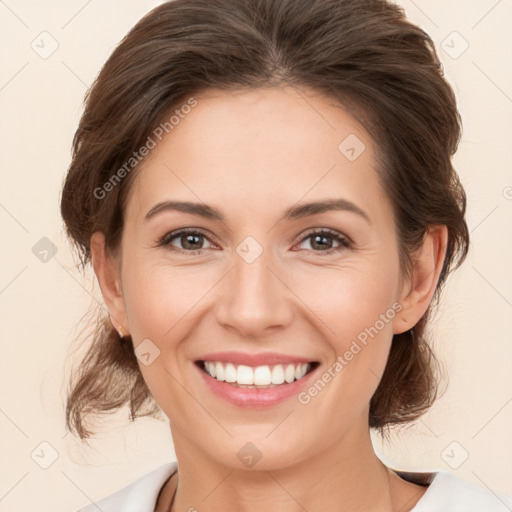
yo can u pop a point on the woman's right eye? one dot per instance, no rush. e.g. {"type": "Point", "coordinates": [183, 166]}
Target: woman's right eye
{"type": "Point", "coordinates": [190, 241]}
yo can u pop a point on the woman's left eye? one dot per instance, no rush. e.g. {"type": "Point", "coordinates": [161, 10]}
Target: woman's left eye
{"type": "Point", "coordinates": [323, 240]}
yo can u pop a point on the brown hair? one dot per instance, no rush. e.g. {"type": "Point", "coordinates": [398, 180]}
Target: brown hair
{"type": "Point", "coordinates": [364, 55]}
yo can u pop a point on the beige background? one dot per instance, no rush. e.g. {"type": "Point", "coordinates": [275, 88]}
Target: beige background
{"type": "Point", "coordinates": [41, 303]}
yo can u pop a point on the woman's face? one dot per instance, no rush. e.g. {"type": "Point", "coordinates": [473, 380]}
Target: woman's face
{"type": "Point", "coordinates": [262, 281]}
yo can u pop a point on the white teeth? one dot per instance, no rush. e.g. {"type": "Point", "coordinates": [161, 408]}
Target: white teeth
{"type": "Point", "coordinates": [304, 370]}
{"type": "Point", "coordinates": [278, 374]}
{"type": "Point", "coordinates": [219, 372]}
{"type": "Point", "coordinates": [262, 376]}
{"type": "Point", "coordinates": [258, 376]}
{"type": "Point", "coordinates": [230, 373]}
{"type": "Point", "coordinates": [289, 373]}
{"type": "Point", "coordinates": [244, 375]}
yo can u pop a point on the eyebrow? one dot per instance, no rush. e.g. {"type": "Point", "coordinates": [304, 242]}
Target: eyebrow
{"type": "Point", "coordinates": [295, 212]}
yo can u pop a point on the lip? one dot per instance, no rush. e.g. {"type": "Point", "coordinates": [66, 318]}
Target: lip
{"type": "Point", "coordinates": [261, 359]}
{"type": "Point", "coordinates": [252, 397]}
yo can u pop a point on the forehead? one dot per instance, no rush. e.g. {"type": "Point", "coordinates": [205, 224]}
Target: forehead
{"type": "Point", "coordinates": [261, 150]}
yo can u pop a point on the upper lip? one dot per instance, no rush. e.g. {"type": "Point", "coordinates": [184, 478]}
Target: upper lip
{"type": "Point", "coordinates": [261, 359]}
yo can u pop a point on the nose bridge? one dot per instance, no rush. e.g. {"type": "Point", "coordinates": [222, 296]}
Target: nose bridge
{"type": "Point", "coordinates": [253, 298]}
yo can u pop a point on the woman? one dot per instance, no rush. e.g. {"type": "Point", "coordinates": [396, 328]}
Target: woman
{"type": "Point", "coordinates": [265, 191]}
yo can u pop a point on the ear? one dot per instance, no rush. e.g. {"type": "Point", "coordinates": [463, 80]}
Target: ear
{"type": "Point", "coordinates": [108, 275]}
{"type": "Point", "coordinates": [417, 292]}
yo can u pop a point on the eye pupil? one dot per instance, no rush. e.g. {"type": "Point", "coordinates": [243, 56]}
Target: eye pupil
{"type": "Point", "coordinates": [320, 242]}
{"type": "Point", "coordinates": [191, 238]}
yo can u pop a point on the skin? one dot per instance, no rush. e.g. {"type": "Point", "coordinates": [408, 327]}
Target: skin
{"type": "Point", "coordinates": [251, 155]}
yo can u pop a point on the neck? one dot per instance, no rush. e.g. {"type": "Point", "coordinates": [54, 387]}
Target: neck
{"type": "Point", "coordinates": [346, 477]}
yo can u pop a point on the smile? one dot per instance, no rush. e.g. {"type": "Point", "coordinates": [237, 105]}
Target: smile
{"type": "Point", "coordinates": [255, 381]}
{"type": "Point", "coordinates": [264, 376]}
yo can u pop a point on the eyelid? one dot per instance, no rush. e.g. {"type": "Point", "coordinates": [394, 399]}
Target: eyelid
{"type": "Point", "coordinates": [329, 231]}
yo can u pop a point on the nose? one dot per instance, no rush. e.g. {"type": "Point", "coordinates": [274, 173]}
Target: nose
{"type": "Point", "coordinates": [254, 300]}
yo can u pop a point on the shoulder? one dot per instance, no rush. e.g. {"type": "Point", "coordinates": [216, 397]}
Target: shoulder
{"type": "Point", "coordinates": [141, 494]}
{"type": "Point", "coordinates": [450, 493]}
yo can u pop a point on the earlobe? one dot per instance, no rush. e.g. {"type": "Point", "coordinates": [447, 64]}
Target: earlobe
{"type": "Point", "coordinates": [418, 291]}
{"type": "Point", "coordinates": [107, 274]}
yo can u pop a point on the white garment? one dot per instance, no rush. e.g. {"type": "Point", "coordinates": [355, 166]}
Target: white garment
{"type": "Point", "coordinates": [446, 493]}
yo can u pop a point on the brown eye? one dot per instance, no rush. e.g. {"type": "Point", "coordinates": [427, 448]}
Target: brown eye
{"type": "Point", "coordinates": [190, 241]}
{"type": "Point", "coordinates": [326, 241]}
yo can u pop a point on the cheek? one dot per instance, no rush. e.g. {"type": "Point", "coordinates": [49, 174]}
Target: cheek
{"type": "Point", "coordinates": [348, 299]}
{"type": "Point", "coordinates": [158, 297]}
{"type": "Point", "coordinates": [354, 307]}
{"type": "Point", "coordinates": [161, 305]}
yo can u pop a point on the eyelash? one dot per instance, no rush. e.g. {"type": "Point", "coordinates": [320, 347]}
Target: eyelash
{"type": "Point", "coordinates": [344, 242]}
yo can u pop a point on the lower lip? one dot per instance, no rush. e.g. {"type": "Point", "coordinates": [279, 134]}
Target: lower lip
{"type": "Point", "coordinates": [253, 397]}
